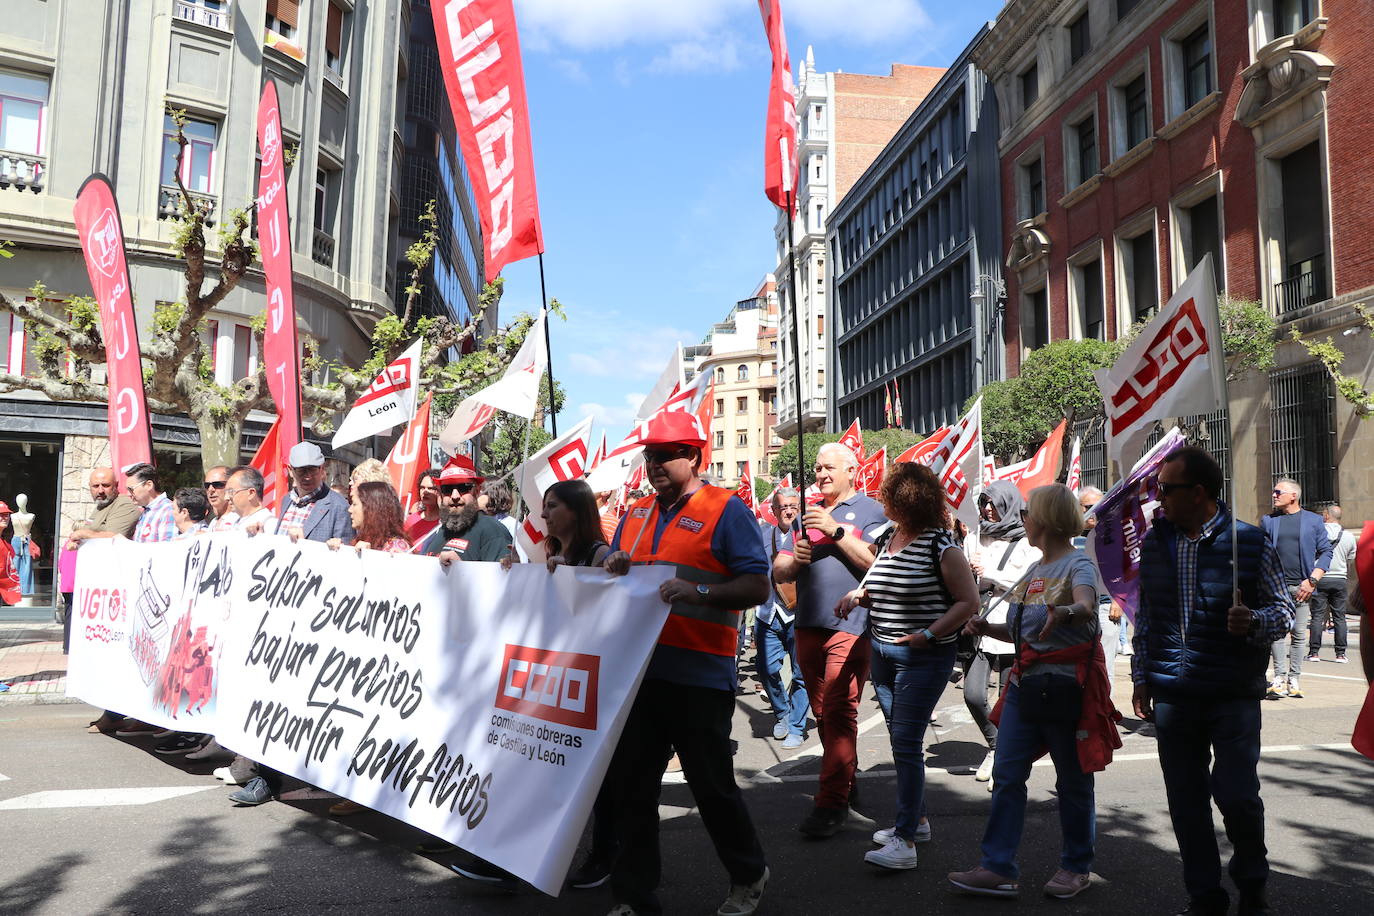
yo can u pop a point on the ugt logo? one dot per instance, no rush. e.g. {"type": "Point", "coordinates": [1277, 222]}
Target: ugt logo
{"type": "Point", "coordinates": [105, 242]}
{"type": "Point", "coordinates": [557, 687]}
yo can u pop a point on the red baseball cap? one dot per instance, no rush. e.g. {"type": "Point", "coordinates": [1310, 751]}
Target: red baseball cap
{"type": "Point", "coordinates": [4, 508]}
{"type": "Point", "coordinates": [674, 427]}
{"type": "Point", "coordinates": [459, 469]}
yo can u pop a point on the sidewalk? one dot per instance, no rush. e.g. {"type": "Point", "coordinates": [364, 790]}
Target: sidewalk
{"type": "Point", "coordinates": [32, 663]}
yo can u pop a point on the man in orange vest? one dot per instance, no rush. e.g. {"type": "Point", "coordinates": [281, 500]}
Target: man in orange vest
{"type": "Point", "coordinates": [688, 695]}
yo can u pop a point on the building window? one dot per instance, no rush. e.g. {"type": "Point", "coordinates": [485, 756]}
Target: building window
{"type": "Point", "coordinates": [1087, 278]}
{"type": "Point", "coordinates": [1135, 103]}
{"type": "Point", "coordinates": [739, 469]}
{"type": "Point", "coordinates": [198, 164]}
{"type": "Point", "coordinates": [283, 17]}
{"type": "Point", "coordinates": [1289, 17]}
{"type": "Point", "coordinates": [819, 224]}
{"type": "Point", "coordinates": [742, 373]}
{"type": "Point", "coordinates": [1139, 280]}
{"type": "Point", "coordinates": [1213, 432]}
{"type": "Point", "coordinates": [1033, 180]}
{"type": "Point", "coordinates": [742, 440]}
{"type": "Point", "coordinates": [1085, 144]}
{"type": "Point", "coordinates": [720, 406]}
{"type": "Point", "coordinates": [1303, 279]}
{"type": "Point", "coordinates": [1030, 86]}
{"type": "Point", "coordinates": [334, 39]}
{"type": "Point", "coordinates": [23, 116]}
{"type": "Point", "coordinates": [720, 439]}
{"type": "Point", "coordinates": [1201, 225]}
{"type": "Point", "coordinates": [720, 375]}
{"type": "Point", "coordinates": [1195, 52]}
{"type": "Point", "coordinates": [820, 379]}
{"type": "Point", "coordinates": [243, 362]}
{"type": "Point", "coordinates": [741, 405]}
{"type": "Point", "coordinates": [1035, 320]}
{"type": "Point", "coordinates": [1302, 431]}
{"type": "Point", "coordinates": [1080, 40]}
{"type": "Point", "coordinates": [1094, 452]}
{"type": "Point", "coordinates": [204, 12]}
{"type": "Point", "coordinates": [326, 215]}
{"type": "Point", "coordinates": [1124, 7]}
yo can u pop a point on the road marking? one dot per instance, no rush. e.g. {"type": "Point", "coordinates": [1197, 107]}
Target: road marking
{"type": "Point", "coordinates": [97, 798]}
{"type": "Point", "coordinates": [1334, 677]}
{"type": "Point", "coordinates": [3, 777]}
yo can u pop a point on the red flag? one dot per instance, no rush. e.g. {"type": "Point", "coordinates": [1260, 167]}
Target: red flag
{"type": "Point", "coordinates": [1074, 479]}
{"type": "Point", "coordinates": [600, 455]}
{"type": "Point", "coordinates": [787, 482]}
{"type": "Point", "coordinates": [926, 451]}
{"type": "Point", "coordinates": [1362, 739]}
{"type": "Point", "coordinates": [270, 460]}
{"type": "Point", "coordinates": [705, 413]}
{"type": "Point", "coordinates": [764, 512]}
{"type": "Point", "coordinates": [780, 133]}
{"type": "Point", "coordinates": [479, 52]}
{"type": "Point", "coordinates": [280, 353]}
{"type": "Point", "coordinates": [869, 477]}
{"type": "Point", "coordinates": [96, 215]}
{"type": "Point", "coordinates": [746, 486]}
{"type": "Point", "coordinates": [410, 457]}
{"type": "Point", "coordinates": [1043, 467]}
{"type": "Point", "coordinates": [854, 439]}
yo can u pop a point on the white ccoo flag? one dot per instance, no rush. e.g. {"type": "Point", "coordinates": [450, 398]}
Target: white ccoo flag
{"type": "Point", "coordinates": [962, 472]}
{"type": "Point", "coordinates": [565, 458]}
{"type": "Point", "coordinates": [391, 399]}
{"type": "Point", "coordinates": [516, 393]}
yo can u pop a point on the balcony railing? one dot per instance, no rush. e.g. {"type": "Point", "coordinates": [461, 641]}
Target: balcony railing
{"type": "Point", "coordinates": [170, 204]}
{"type": "Point", "coordinates": [22, 171]}
{"type": "Point", "coordinates": [322, 249]}
{"type": "Point", "coordinates": [203, 15]}
{"type": "Point", "coordinates": [1305, 285]}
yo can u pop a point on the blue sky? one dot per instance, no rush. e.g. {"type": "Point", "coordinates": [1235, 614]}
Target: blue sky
{"type": "Point", "coordinates": [647, 121]}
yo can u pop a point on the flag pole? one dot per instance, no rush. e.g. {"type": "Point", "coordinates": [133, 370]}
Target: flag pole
{"type": "Point", "coordinates": [548, 351]}
{"type": "Point", "coordinates": [796, 353]}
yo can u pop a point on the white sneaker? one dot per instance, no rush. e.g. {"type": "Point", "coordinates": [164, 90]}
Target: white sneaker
{"type": "Point", "coordinates": [888, 834]}
{"type": "Point", "coordinates": [896, 854]}
{"type": "Point", "coordinates": [744, 898]}
{"type": "Point", "coordinates": [984, 772]}
{"type": "Point", "coordinates": [223, 775]}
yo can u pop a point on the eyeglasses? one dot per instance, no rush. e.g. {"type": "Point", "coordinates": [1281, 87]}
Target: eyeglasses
{"type": "Point", "coordinates": [461, 488]}
{"type": "Point", "coordinates": [657, 457]}
{"type": "Point", "coordinates": [1166, 488]}
{"type": "Point", "coordinates": [233, 492]}
{"type": "Point", "coordinates": [216, 484]}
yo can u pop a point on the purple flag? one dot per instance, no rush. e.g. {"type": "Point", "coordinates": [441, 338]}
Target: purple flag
{"type": "Point", "coordinates": [1124, 517]}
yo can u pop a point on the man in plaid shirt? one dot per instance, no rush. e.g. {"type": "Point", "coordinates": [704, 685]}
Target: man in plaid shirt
{"type": "Point", "coordinates": [158, 521]}
{"type": "Point", "coordinates": [1202, 638]}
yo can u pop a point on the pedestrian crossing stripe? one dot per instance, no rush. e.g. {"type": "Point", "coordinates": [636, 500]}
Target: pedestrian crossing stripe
{"type": "Point", "coordinates": [97, 798]}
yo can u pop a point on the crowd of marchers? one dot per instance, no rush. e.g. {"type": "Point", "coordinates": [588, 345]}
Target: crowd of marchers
{"type": "Point", "coordinates": [845, 590]}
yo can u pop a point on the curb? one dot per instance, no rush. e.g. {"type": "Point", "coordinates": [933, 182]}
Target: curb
{"type": "Point", "coordinates": [37, 699]}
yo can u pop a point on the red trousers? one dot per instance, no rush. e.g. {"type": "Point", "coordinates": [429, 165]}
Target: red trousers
{"type": "Point", "coordinates": [834, 665]}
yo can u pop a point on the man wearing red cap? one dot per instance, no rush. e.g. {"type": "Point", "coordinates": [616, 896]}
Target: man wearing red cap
{"type": "Point", "coordinates": [688, 695]}
{"type": "Point", "coordinates": [467, 533]}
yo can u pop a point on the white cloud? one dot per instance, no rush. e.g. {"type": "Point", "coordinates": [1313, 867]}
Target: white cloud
{"type": "Point", "coordinates": [715, 54]}
{"type": "Point", "coordinates": [572, 70]}
{"type": "Point", "coordinates": [589, 24]}
{"type": "Point", "coordinates": [606, 415]}
{"type": "Point", "coordinates": [869, 22]}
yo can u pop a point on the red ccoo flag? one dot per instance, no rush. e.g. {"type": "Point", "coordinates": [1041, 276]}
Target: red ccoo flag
{"type": "Point", "coordinates": [745, 491]}
{"type": "Point", "coordinates": [927, 451]}
{"type": "Point", "coordinates": [270, 460]}
{"type": "Point", "coordinates": [780, 133]}
{"type": "Point", "coordinates": [280, 353]}
{"type": "Point", "coordinates": [853, 439]}
{"type": "Point", "coordinates": [96, 216]}
{"type": "Point", "coordinates": [868, 479]}
{"type": "Point", "coordinates": [479, 53]}
{"type": "Point", "coordinates": [409, 458]}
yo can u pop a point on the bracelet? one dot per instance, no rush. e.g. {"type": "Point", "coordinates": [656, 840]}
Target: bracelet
{"type": "Point", "coordinates": [930, 637]}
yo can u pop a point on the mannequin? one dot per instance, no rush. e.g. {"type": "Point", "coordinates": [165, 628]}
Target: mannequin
{"type": "Point", "coordinates": [23, 529]}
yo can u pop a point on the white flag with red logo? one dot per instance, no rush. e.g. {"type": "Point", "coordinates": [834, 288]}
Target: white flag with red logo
{"type": "Point", "coordinates": [961, 470]}
{"type": "Point", "coordinates": [1041, 468]}
{"type": "Point", "coordinates": [746, 487]}
{"type": "Point", "coordinates": [517, 392]}
{"type": "Point", "coordinates": [1175, 367]}
{"type": "Point", "coordinates": [1074, 480]}
{"type": "Point", "coordinates": [409, 458]}
{"type": "Point", "coordinates": [869, 478]}
{"type": "Point", "coordinates": [853, 439]}
{"type": "Point", "coordinates": [620, 460]}
{"type": "Point", "coordinates": [565, 458]}
{"type": "Point", "coordinates": [600, 455]}
{"type": "Point", "coordinates": [928, 451]}
{"type": "Point", "coordinates": [390, 399]}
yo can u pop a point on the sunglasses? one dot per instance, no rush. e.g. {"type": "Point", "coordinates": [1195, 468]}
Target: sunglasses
{"type": "Point", "coordinates": [1166, 488]}
{"type": "Point", "coordinates": [461, 488]}
{"type": "Point", "coordinates": [216, 484]}
{"type": "Point", "coordinates": [658, 457]}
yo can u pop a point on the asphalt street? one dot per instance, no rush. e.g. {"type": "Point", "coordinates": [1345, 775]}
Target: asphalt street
{"type": "Point", "coordinates": [93, 824]}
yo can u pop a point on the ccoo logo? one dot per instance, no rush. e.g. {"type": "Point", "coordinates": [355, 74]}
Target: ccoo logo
{"type": "Point", "coordinates": [558, 687]}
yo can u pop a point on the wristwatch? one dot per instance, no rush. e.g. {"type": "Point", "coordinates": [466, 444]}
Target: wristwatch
{"type": "Point", "coordinates": [930, 637]}
{"type": "Point", "coordinates": [837, 534]}
{"type": "Point", "coordinates": [704, 591]}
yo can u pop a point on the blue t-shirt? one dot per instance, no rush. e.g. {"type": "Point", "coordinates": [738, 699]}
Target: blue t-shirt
{"type": "Point", "coordinates": [822, 583]}
{"type": "Point", "coordinates": [738, 547]}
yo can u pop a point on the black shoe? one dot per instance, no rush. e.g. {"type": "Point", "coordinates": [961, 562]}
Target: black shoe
{"type": "Point", "coordinates": [483, 871]}
{"type": "Point", "coordinates": [823, 822]}
{"type": "Point", "coordinates": [1252, 903]}
{"type": "Point", "coordinates": [435, 846]}
{"type": "Point", "coordinates": [212, 750]}
{"type": "Point", "coordinates": [593, 872]}
{"type": "Point", "coordinates": [255, 792]}
{"type": "Point", "coordinates": [1213, 904]}
{"type": "Point", "coordinates": [179, 744]}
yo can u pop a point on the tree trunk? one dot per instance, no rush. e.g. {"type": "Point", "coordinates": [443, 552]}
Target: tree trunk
{"type": "Point", "coordinates": [219, 439]}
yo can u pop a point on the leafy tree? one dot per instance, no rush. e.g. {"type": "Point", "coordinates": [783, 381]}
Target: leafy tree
{"type": "Point", "coordinates": [763, 488]}
{"type": "Point", "coordinates": [177, 368]}
{"type": "Point", "coordinates": [894, 440]}
{"type": "Point", "coordinates": [1332, 358]}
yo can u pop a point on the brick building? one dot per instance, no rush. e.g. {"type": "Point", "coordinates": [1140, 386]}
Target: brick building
{"type": "Point", "coordinates": [1135, 138]}
{"type": "Point", "coordinates": [844, 121]}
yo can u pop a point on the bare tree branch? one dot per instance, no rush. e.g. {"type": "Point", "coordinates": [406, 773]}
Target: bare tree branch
{"type": "Point", "coordinates": [73, 389]}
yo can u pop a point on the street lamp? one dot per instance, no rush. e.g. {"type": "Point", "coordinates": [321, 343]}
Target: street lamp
{"type": "Point", "coordinates": [978, 298]}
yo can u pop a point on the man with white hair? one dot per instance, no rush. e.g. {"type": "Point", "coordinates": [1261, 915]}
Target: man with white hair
{"type": "Point", "coordinates": [1304, 549]}
{"type": "Point", "coordinates": [826, 560]}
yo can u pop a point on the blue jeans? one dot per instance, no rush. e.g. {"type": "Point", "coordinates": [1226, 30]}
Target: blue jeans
{"type": "Point", "coordinates": [772, 640]}
{"type": "Point", "coordinates": [908, 683]}
{"type": "Point", "coordinates": [1225, 734]}
{"type": "Point", "coordinates": [1018, 744]}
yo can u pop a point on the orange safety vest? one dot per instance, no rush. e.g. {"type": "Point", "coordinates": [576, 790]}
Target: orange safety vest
{"type": "Point", "coordinates": [686, 544]}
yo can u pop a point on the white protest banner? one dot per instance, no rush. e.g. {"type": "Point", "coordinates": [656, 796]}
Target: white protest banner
{"type": "Point", "coordinates": [478, 704]}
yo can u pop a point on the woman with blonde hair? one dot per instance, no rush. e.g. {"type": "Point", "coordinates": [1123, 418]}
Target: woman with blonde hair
{"type": "Point", "coordinates": [1057, 699]}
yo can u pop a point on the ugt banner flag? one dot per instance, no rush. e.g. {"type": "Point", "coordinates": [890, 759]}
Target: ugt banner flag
{"type": "Point", "coordinates": [96, 216]}
{"type": "Point", "coordinates": [1175, 367]}
{"type": "Point", "coordinates": [389, 400]}
{"type": "Point", "coordinates": [479, 53]}
{"type": "Point", "coordinates": [565, 458]}
{"type": "Point", "coordinates": [1124, 516]}
{"type": "Point", "coordinates": [280, 350]}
